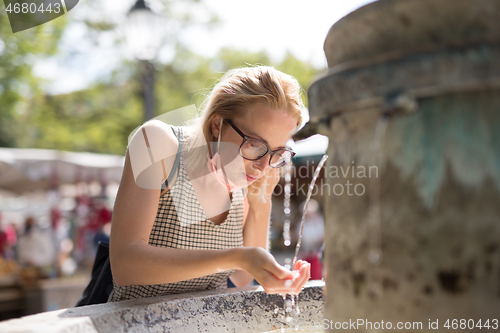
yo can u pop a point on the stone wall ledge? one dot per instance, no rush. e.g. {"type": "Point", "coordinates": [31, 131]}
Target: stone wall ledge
{"type": "Point", "coordinates": [247, 309]}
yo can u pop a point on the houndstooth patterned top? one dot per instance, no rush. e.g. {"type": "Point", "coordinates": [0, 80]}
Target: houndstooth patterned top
{"type": "Point", "coordinates": [183, 224]}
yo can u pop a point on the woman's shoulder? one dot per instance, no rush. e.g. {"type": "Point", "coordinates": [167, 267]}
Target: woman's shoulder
{"type": "Point", "coordinates": [153, 142]}
{"type": "Point", "coordinates": [156, 129]}
{"type": "Point", "coordinates": [156, 135]}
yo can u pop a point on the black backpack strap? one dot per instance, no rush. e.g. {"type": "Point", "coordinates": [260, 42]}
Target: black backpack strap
{"type": "Point", "coordinates": [101, 283]}
{"type": "Point", "coordinates": [105, 268]}
{"type": "Point", "coordinates": [175, 167]}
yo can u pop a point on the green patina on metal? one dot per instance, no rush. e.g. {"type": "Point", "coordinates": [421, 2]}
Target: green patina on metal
{"type": "Point", "coordinates": [459, 131]}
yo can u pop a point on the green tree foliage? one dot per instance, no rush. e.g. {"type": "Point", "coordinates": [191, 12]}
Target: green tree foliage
{"type": "Point", "coordinates": [81, 120]}
{"type": "Point", "coordinates": [17, 55]}
{"type": "Point", "coordinates": [99, 119]}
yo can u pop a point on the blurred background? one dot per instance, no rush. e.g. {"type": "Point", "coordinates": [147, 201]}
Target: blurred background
{"type": "Point", "coordinates": [73, 89]}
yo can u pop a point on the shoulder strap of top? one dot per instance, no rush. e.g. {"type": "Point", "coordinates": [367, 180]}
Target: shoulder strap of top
{"type": "Point", "coordinates": [175, 167]}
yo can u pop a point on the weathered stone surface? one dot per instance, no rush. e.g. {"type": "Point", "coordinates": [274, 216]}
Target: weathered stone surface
{"type": "Point", "coordinates": [391, 28]}
{"type": "Point", "coordinates": [414, 76]}
{"type": "Point", "coordinates": [440, 213]}
{"type": "Point", "coordinates": [420, 48]}
{"type": "Point", "coordinates": [439, 171]}
{"type": "Point", "coordinates": [232, 310]}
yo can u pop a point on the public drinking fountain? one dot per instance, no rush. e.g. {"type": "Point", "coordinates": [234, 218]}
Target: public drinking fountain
{"type": "Point", "coordinates": [419, 242]}
{"type": "Point", "coordinates": [421, 246]}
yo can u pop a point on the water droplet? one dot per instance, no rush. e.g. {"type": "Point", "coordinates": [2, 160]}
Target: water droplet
{"type": "Point", "coordinates": [287, 242]}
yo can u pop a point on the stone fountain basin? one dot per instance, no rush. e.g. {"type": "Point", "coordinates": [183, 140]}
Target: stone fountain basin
{"type": "Point", "coordinates": [241, 310]}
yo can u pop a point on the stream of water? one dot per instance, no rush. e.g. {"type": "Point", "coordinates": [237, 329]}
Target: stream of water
{"type": "Point", "coordinates": [304, 210]}
{"type": "Point", "coordinates": [286, 203]}
{"type": "Point", "coordinates": [290, 302]}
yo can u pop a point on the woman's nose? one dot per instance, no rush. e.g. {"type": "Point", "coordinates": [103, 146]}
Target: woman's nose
{"type": "Point", "coordinates": [263, 164]}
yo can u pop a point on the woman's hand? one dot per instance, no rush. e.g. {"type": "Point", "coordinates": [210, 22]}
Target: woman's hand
{"type": "Point", "coordinates": [265, 269]}
{"type": "Point", "coordinates": [274, 278]}
{"type": "Point", "coordinates": [263, 187]}
{"type": "Point", "coordinates": [303, 273]}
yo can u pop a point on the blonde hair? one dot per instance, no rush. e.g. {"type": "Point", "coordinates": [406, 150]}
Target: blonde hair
{"type": "Point", "coordinates": [236, 91]}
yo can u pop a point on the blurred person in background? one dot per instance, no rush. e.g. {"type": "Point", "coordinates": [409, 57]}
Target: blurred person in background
{"type": "Point", "coordinates": [4, 245]}
{"type": "Point", "coordinates": [8, 238]}
{"type": "Point", "coordinates": [36, 250]}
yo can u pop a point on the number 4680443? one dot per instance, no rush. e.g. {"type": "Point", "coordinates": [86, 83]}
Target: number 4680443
{"type": "Point", "coordinates": [32, 8]}
{"type": "Point", "coordinates": [471, 323]}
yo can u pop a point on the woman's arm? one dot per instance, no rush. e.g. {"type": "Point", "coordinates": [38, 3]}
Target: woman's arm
{"type": "Point", "coordinates": [135, 262]}
{"type": "Point", "coordinates": [255, 232]}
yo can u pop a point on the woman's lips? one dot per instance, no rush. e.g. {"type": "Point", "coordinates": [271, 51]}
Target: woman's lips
{"type": "Point", "coordinates": [250, 179]}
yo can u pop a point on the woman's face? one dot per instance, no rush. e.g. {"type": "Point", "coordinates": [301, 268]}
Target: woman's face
{"type": "Point", "coordinates": [274, 127]}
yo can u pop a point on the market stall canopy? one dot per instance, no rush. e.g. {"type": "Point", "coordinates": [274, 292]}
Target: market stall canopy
{"type": "Point", "coordinates": [23, 170]}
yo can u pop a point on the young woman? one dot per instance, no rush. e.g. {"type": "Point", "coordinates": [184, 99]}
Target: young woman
{"type": "Point", "coordinates": [194, 202]}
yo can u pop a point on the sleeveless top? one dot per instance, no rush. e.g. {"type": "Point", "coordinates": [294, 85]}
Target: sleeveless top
{"type": "Point", "coordinates": [182, 224]}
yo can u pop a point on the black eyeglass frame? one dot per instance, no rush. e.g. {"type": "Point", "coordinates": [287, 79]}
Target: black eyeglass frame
{"type": "Point", "coordinates": [268, 151]}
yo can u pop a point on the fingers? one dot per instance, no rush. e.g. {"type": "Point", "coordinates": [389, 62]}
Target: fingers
{"type": "Point", "coordinates": [274, 278]}
{"type": "Point", "coordinates": [278, 280]}
{"type": "Point", "coordinates": [292, 285]}
{"type": "Point", "coordinates": [275, 176]}
{"type": "Point", "coordinates": [299, 264]}
{"type": "Point", "coordinates": [304, 274]}
{"type": "Point", "coordinates": [266, 270]}
{"type": "Point", "coordinates": [272, 266]}
{"type": "Point", "coordinates": [272, 285]}
{"type": "Point", "coordinates": [281, 272]}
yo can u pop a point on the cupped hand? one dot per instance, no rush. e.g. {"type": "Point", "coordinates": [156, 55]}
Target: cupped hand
{"type": "Point", "coordinates": [274, 278]}
{"type": "Point", "coordinates": [302, 274]}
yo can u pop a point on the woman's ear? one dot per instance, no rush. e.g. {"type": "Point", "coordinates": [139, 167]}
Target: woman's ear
{"type": "Point", "coordinates": [215, 125]}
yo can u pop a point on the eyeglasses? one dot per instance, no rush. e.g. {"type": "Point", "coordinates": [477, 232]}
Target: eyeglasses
{"type": "Point", "coordinates": [253, 149]}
